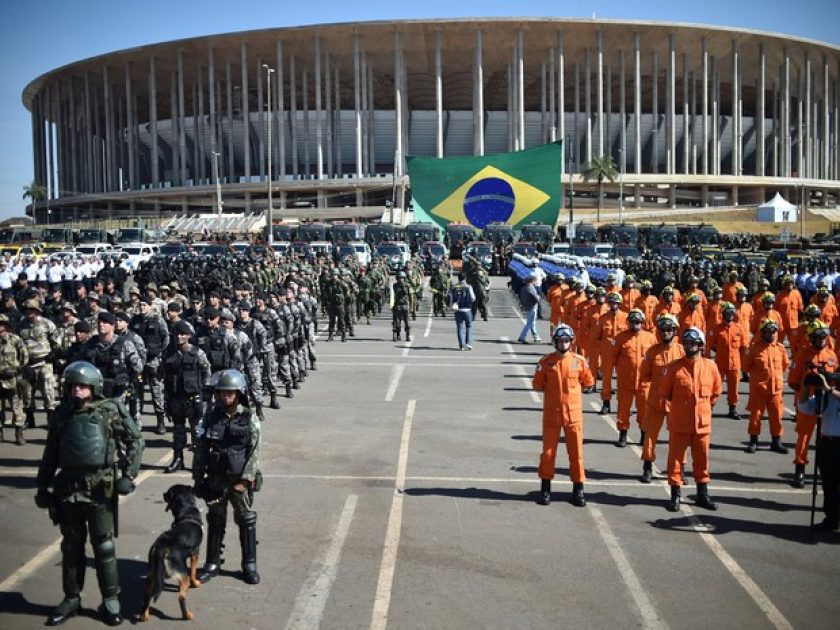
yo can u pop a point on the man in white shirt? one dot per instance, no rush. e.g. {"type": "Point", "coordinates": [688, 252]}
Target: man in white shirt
{"type": "Point", "coordinates": [7, 276]}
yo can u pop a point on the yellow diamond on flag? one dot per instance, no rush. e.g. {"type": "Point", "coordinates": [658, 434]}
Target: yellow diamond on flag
{"type": "Point", "coordinates": [526, 198]}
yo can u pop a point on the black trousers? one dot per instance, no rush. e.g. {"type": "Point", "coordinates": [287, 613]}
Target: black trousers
{"type": "Point", "coordinates": [828, 462]}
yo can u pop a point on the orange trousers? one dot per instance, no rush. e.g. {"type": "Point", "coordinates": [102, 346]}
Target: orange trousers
{"type": "Point", "coordinates": [606, 381]}
{"type": "Point", "coordinates": [594, 356]}
{"type": "Point", "coordinates": [805, 426]}
{"type": "Point", "coordinates": [775, 408]}
{"type": "Point", "coordinates": [625, 406]}
{"type": "Point", "coordinates": [651, 425]}
{"type": "Point", "coordinates": [733, 377]}
{"type": "Point", "coordinates": [677, 445]}
{"type": "Point", "coordinates": [574, 448]}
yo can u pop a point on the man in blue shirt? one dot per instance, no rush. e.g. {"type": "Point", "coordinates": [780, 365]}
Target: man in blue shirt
{"type": "Point", "coordinates": [826, 403]}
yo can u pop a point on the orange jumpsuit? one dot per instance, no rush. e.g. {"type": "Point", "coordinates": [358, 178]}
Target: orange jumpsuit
{"type": "Point", "coordinates": [730, 291]}
{"type": "Point", "coordinates": [556, 295]}
{"type": "Point", "coordinates": [704, 301]}
{"type": "Point", "coordinates": [647, 304]}
{"type": "Point", "coordinates": [689, 391]}
{"type": "Point", "coordinates": [809, 359]}
{"type": "Point", "coordinates": [714, 316]}
{"type": "Point", "coordinates": [789, 304]}
{"type": "Point", "coordinates": [766, 363]}
{"type": "Point", "coordinates": [728, 341]}
{"type": "Point", "coordinates": [657, 358]}
{"type": "Point", "coordinates": [561, 378]}
{"type": "Point", "coordinates": [828, 311]}
{"type": "Point", "coordinates": [626, 353]}
{"type": "Point", "coordinates": [760, 315]}
{"type": "Point", "coordinates": [610, 324]}
{"type": "Point", "coordinates": [584, 313]}
{"type": "Point", "coordinates": [744, 314]}
{"type": "Point", "coordinates": [688, 318]}
{"type": "Point", "coordinates": [570, 310]}
{"type": "Point", "coordinates": [593, 316]}
{"type": "Point", "coordinates": [628, 298]}
{"type": "Point", "coordinates": [672, 308]}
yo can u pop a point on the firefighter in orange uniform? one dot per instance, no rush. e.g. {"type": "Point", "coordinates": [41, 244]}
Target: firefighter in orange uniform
{"type": "Point", "coordinates": [561, 376]}
{"type": "Point", "coordinates": [574, 299]}
{"type": "Point", "coordinates": [610, 324]}
{"type": "Point", "coordinates": [629, 294]}
{"type": "Point", "coordinates": [691, 315]}
{"type": "Point", "coordinates": [729, 341]}
{"type": "Point", "coordinates": [789, 304]}
{"type": "Point", "coordinates": [743, 309]}
{"type": "Point", "coordinates": [730, 288]}
{"type": "Point", "coordinates": [657, 358]}
{"type": "Point", "coordinates": [763, 287]}
{"type": "Point", "coordinates": [828, 308]}
{"type": "Point", "coordinates": [766, 362]}
{"type": "Point", "coordinates": [799, 339]}
{"type": "Point", "coordinates": [689, 391]}
{"type": "Point", "coordinates": [595, 300]}
{"type": "Point", "coordinates": [817, 357]}
{"type": "Point", "coordinates": [714, 317]}
{"type": "Point", "coordinates": [556, 296]}
{"type": "Point", "coordinates": [765, 311]}
{"type": "Point", "coordinates": [626, 353]}
{"type": "Point", "coordinates": [647, 304]}
{"type": "Point", "coordinates": [667, 303]}
{"type": "Point", "coordinates": [694, 287]}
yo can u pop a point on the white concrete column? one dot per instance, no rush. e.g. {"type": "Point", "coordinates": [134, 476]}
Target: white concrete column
{"type": "Point", "coordinates": [552, 115]}
{"type": "Point", "coordinates": [438, 95]}
{"type": "Point", "coordinates": [365, 117]}
{"type": "Point", "coordinates": [654, 159]}
{"type": "Point", "coordinates": [319, 139]}
{"type": "Point", "coordinates": [398, 106]}
{"type": "Point", "coordinates": [599, 93]}
{"type": "Point", "coordinates": [826, 162]}
{"type": "Point", "coordinates": [637, 102]}
{"type": "Point", "coordinates": [339, 168]}
{"type": "Point", "coordinates": [371, 135]}
{"type": "Point", "coordinates": [520, 88]}
{"type": "Point", "coordinates": [198, 126]}
{"type": "Point", "coordinates": [736, 95]}
{"type": "Point", "coordinates": [576, 120]}
{"type": "Point", "coordinates": [231, 153]}
{"type": "Point", "coordinates": [704, 154]}
{"type": "Point", "coordinates": [130, 129]}
{"type": "Point", "coordinates": [478, 97]}
{"type": "Point", "coordinates": [293, 128]}
{"type": "Point", "coordinates": [211, 97]}
{"type": "Point", "coordinates": [587, 97]}
{"type": "Point", "coordinates": [760, 153]}
{"type": "Point", "coordinates": [182, 132]}
{"type": "Point", "coordinates": [357, 88]}
{"type": "Point", "coordinates": [329, 120]}
{"type": "Point", "coordinates": [715, 168]}
{"type": "Point", "coordinates": [246, 113]}
{"type": "Point", "coordinates": [261, 123]}
{"type": "Point", "coordinates": [622, 107]}
{"type": "Point", "coordinates": [280, 162]}
{"type": "Point", "coordinates": [786, 141]}
{"type": "Point", "coordinates": [686, 141]}
{"type": "Point", "coordinates": [561, 89]}
{"type": "Point", "coordinates": [543, 104]}
{"type": "Point", "coordinates": [304, 97]}
{"type": "Point", "coordinates": [72, 131]}
{"type": "Point", "coordinates": [806, 164]}
{"type": "Point", "coordinates": [671, 126]}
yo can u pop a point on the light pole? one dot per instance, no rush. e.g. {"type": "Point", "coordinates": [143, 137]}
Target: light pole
{"type": "Point", "coordinates": [216, 156]}
{"type": "Point", "coordinates": [569, 162]}
{"type": "Point", "coordinates": [621, 186]}
{"type": "Point", "coordinates": [270, 213]}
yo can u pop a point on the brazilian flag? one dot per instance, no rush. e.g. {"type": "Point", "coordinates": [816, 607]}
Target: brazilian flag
{"type": "Point", "coordinates": [514, 188]}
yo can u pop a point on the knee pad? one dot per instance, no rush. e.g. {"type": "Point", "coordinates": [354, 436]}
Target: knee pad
{"type": "Point", "coordinates": [104, 547]}
{"type": "Point", "coordinates": [249, 519]}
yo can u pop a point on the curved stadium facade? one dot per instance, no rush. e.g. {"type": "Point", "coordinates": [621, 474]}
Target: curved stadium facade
{"type": "Point", "coordinates": [691, 114]}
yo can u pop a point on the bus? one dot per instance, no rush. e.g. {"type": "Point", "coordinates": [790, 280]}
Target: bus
{"type": "Point", "coordinates": [93, 235]}
{"type": "Point", "coordinates": [619, 234]}
{"type": "Point", "coordinates": [346, 232]}
{"type": "Point", "coordinates": [57, 236]}
{"type": "Point", "coordinates": [660, 235]}
{"type": "Point", "coordinates": [284, 232]}
{"type": "Point", "coordinates": [418, 233]}
{"type": "Point", "coordinates": [381, 232]}
{"type": "Point", "coordinates": [309, 232]}
{"type": "Point", "coordinates": [500, 233]}
{"type": "Point", "coordinates": [538, 233]}
{"type": "Point", "coordinates": [132, 235]}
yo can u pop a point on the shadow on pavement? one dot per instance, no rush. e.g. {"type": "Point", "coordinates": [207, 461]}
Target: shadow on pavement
{"type": "Point", "coordinates": [8, 462]}
{"type": "Point", "coordinates": [721, 525]}
{"type": "Point", "coordinates": [522, 409]}
{"type": "Point", "coordinates": [22, 483]}
{"type": "Point", "coordinates": [474, 493]}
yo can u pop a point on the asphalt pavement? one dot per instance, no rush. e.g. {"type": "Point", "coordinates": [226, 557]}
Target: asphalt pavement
{"type": "Point", "coordinates": [400, 488]}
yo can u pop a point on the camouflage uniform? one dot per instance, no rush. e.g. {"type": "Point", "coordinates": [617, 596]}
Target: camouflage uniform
{"type": "Point", "coordinates": [400, 307]}
{"type": "Point", "coordinates": [41, 338]}
{"type": "Point", "coordinates": [13, 357]}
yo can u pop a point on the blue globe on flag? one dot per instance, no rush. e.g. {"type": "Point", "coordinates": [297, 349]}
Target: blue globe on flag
{"type": "Point", "coordinates": [488, 200]}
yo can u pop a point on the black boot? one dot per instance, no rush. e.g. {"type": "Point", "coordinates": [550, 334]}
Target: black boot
{"type": "Point", "coordinates": [733, 413]}
{"type": "Point", "coordinates": [799, 476]}
{"type": "Point", "coordinates": [313, 368]}
{"type": "Point", "coordinates": [545, 492]}
{"type": "Point", "coordinates": [605, 407]}
{"type": "Point", "coordinates": [19, 439]}
{"type": "Point", "coordinates": [66, 609]}
{"type": "Point", "coordinates": [752, 447]}
{"type": "Point", "coordinates": [703, 498]}
{"type": "Point", "coordinates": [674, 503]}
{"type": "Point", "coordinates": [642, 438]}
{"type": "Point", "coordinates": [248, 541]}
{"type": "Point", "coordinates": [622, 439]}
{"type": "Point", "coordinates": [344, 335]}
{"type": "Point", "coordinates": [295, 383]}
{"type": "Point", "coordinates": [776, 445]}
{"type": "Point", "coordinates": [215, 538]}
{"type": "Point", "coordinates": [30, 419]}
{"type": "Point", "coordinates": [647, 472]}
{"type": "Point", "coordinates": [160, 429]}
{"type": "Point", "coordinates": [177, 461]}
{"type": "Point", "coordinates": [578, 500]}
{"type": "Point", "coordinates": [289, 393]}
{"type": "Point", "coordinates": [273, 403]}
{"type": "Point", "coordinates": [260, 414]}
{"type": "Point", "coordinates": [408, 336]}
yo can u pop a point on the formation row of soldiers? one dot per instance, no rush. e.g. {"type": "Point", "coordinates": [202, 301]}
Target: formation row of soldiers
{"type": "Point", "coordinates": [629, 331]}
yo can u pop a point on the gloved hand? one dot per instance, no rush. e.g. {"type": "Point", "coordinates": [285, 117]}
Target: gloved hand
{"type": "Point", "coordinates": [43, 499]}
{"type": "Point", "coordinates": [124, 485]}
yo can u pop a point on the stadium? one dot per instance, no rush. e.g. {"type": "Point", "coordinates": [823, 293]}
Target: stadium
{"type": "Point", "coordinates": [692, 115]}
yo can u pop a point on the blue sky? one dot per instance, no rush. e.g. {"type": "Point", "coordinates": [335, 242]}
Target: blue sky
{"type": "Point", "coordinates": [39, 35]}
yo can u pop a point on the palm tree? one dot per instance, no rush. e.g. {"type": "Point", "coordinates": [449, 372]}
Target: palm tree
{"type": "Point", "coordinates": [600, 168]}
{"type": "Point", "coordinates": [35, 192]}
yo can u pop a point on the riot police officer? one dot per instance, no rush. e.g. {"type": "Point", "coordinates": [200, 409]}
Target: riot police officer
{"type": "Point", "coordinates": [115, 357]}
{"type": "Point", "coordinates": [185, 371]}
{"type": "Point", "coordinates": [226, 471]}
{"type": "Point", "coordinates": [90, 438]}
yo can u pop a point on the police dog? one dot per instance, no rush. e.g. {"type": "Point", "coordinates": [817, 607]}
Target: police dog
{"type": "Point", "coordinates": [175, 553]}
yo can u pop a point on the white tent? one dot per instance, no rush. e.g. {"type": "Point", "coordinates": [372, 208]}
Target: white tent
{"type": "Point", "coordinates": [777, 210]}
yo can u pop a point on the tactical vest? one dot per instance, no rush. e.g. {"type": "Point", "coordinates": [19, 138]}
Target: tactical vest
{"type": "Point", "coordinates": [85, 441]}
{"type": "Point", "coordinates": [183, 373]}
{"type": "Point", "coordinates": [217, 351]}
{"type": "Point", "coordinates": [111, 363]}
{"type": "Point", "coordinates": [228, 443]}
{"type": "Point", "coordinates": [149, 328]}
{"type": "Point", "coordinates": [264, 317]}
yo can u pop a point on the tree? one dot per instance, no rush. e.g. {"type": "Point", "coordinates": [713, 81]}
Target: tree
{"type": "Point", "coordinates": [600, 168]}
{"type": "Point", "coordinates": [35, 192]}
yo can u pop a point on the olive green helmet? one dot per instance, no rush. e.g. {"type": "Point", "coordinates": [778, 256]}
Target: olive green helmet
{"type": "Point", "coordinates": [83, 373]}
{"type": "Point", "coordinates": [231, 380]}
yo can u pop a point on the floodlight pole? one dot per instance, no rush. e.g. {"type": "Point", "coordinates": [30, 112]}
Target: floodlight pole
{"type": "Point", "coordinates": [569, 160]}
{"type": "Point", "coordinates": [621, 186]}
{"type": "Point", "coordinates": [216, 156]}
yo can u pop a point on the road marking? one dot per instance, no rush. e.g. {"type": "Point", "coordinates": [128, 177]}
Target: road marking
{"type": "Point", "coordinates": [521, 369]}
{"type": "Point", "coordinates": [428, 326]}
{"type": "Point", "coordinates": [382, 602]}
{"type": "Point", "coordinates": [46, 554]}
{"type": "Point", "coordinates": [650, 618]}
{"type": "Point", "coordinates": [396, 375]}
{"type": "Point", "coordinates": [312, 597]}
{"type": "Point", "coordinates": [430, 365]}
{"type": "Point", "coordinates": [773, 614]}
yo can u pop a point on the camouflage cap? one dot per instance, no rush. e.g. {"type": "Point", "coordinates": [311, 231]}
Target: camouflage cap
{"type": "Point", "coordinates": [34, 305]}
